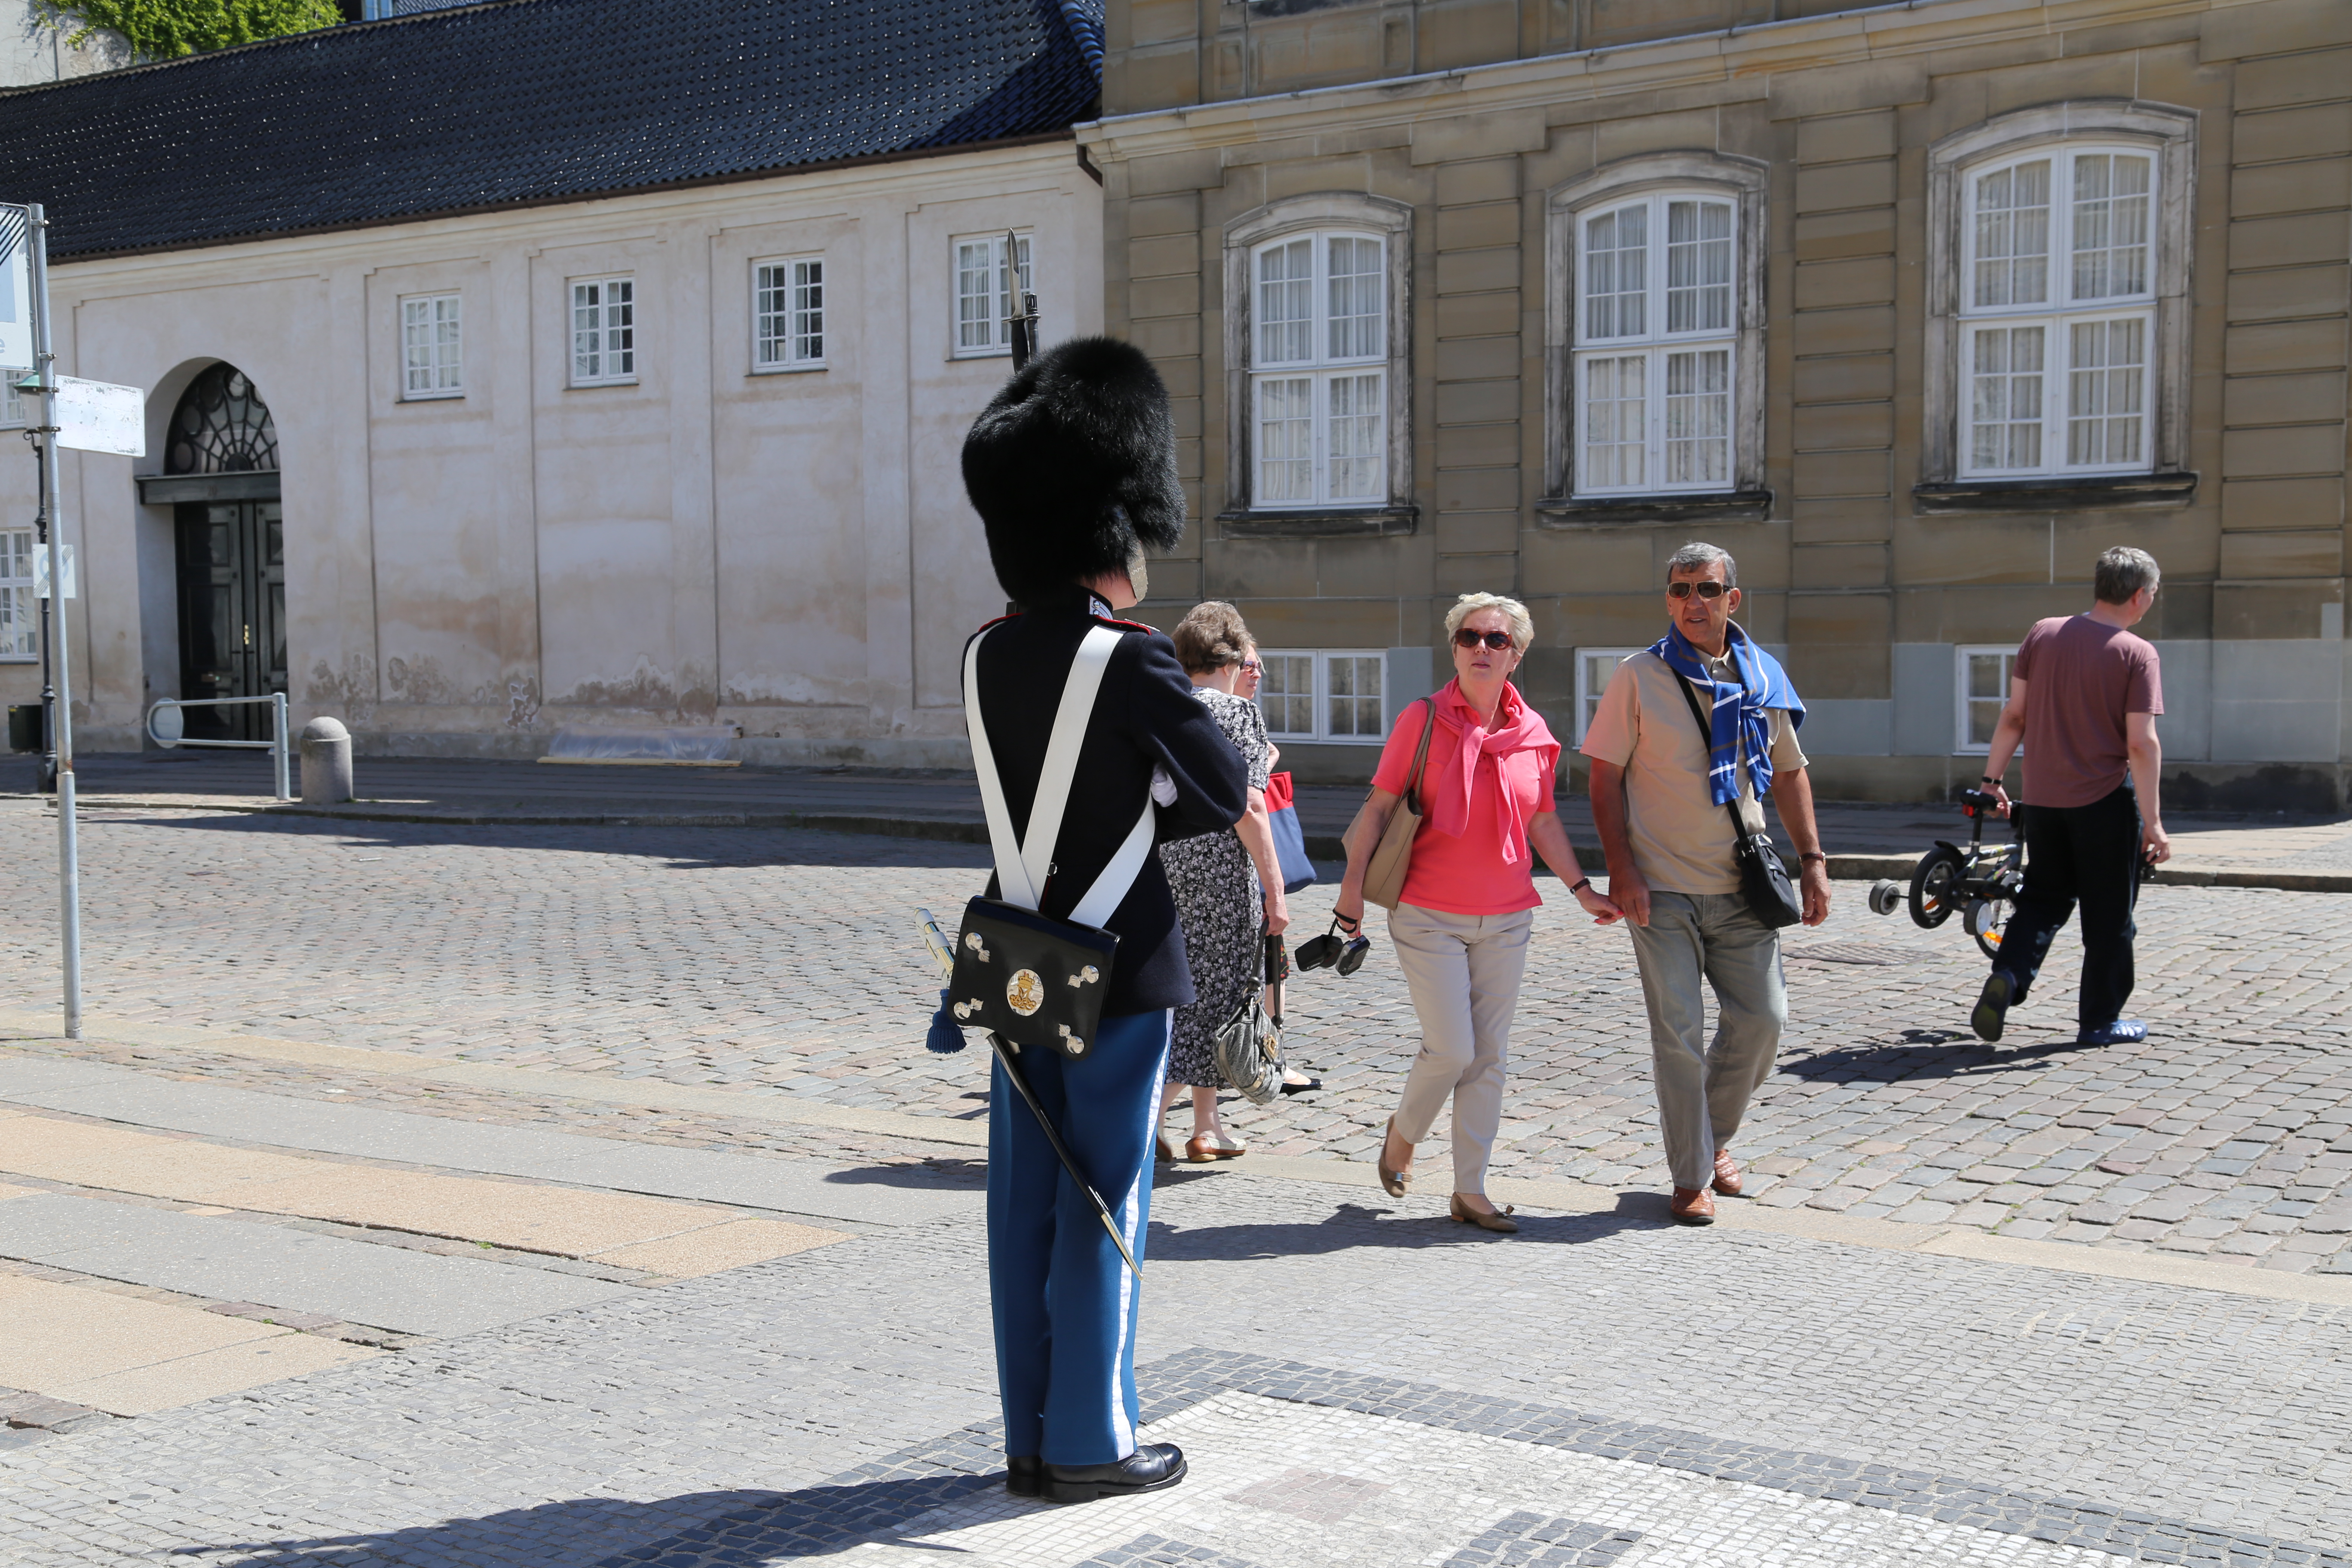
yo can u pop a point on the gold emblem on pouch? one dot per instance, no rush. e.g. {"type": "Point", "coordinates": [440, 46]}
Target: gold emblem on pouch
{"type": "Point", "coordinates": [1024, 993]}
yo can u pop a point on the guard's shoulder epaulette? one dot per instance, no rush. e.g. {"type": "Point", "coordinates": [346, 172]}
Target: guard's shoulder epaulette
{"type": "Point", "coordinates": [999, 621]}
{"type": "Point", "coordinates": [1126, 626]}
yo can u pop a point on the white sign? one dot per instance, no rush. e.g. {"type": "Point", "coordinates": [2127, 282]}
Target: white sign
{"type": "Point", "coordinates": [16, 288]}
{"type": "Point", "coordinates": [41, 572]}
{"type": "Point", "coordinates": [94, 416]}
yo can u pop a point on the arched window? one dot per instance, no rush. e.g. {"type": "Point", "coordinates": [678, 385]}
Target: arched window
{"type": "Point", "coordinates": [1319, 437]}
{"type": "Point", "coordinates": [2057, 355]}
{"type": "Point", "coordinates": [1654, 340]}
{"type": "Point", "coordinates": [221, 426]}
{"type": "Point", "coordinates": [2057, 300]}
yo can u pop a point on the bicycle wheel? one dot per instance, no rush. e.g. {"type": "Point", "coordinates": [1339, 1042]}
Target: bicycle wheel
{"type": "Point", "coordinates": [1986, 920]}
{"type": "Point", "coordinates": [1935, 886]}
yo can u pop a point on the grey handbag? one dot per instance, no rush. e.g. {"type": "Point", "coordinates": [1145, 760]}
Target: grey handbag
{"type": "Point", "coordinates": [1248, 1050]}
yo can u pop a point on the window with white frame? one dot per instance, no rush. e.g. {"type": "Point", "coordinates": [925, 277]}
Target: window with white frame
{"type": "Point", "coordinates": [1324, 694]}
{"type": "Point", "coordinates": [432, 346]}
{"type": "Point", "coordinates": [1594, 666]}
{"type": "Point", "coordinates": [19, 612]}
{"type": "Point", "coordinates": [987, 281]}
{"type": "Point", "coordinates": [12, 401]}
{"type": "Point", "coordinates": [603, 331]}
{"type": "Point", "coordinates": [1657, 337]}
{"type": "Point", "coordinates": [1318, 382]}
{"type": "Point", "coordinates": [788, 314]}
{"type": "Point", "coordinates": [2057, 306]}
{"type": "Point", "coordinates": [1982, 675]}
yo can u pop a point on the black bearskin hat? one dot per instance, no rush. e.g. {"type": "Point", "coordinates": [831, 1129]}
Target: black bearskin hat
{"type": "Point", "coordinates": [1072, 468]}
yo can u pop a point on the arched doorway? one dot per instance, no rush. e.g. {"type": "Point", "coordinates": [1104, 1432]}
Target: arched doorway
{"type": "Point", "coordinates": [220, 461]}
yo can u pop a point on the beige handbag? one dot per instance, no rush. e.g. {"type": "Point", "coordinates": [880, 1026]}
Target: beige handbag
{"type": "Point", "coordinates": [1385, 875]}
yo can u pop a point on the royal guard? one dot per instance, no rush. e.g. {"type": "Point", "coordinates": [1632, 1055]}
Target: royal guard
{"type": "Point", "coordinates": [1091, 750]}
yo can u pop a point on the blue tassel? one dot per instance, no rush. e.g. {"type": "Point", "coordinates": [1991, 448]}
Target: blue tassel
{"type": "Point", "coordinates": [946, 1037]}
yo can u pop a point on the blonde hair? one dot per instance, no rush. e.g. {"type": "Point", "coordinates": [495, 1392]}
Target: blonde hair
{"type": "Point", "coordinates": [1523, 629]}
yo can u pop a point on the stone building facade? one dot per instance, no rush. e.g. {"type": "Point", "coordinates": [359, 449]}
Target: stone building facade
{"type": "Point", "coordinates": [1915, 309]}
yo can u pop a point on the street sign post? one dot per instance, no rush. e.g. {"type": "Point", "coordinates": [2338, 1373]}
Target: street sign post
{"type": "Point", "coordinates": [25, 255]}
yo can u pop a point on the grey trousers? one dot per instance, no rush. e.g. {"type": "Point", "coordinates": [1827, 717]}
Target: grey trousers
{"type": "Point", "coordinates": [1464, 973]}
{"type": "Point", "coordinates": [1703, 1092]}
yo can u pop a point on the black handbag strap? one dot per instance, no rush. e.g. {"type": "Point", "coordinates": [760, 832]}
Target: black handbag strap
{"type": "Point", "coordinates": [1707, 738]}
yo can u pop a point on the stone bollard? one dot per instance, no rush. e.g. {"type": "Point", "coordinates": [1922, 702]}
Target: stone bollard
{"type": "Point", "coordinates": [326, 763]}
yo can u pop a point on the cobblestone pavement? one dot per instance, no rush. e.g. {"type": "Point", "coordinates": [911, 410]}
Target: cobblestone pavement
{"type": "Point", "coordinates": [786, 963]}
{"type": "Point", "coordinates": [1431, 1395]}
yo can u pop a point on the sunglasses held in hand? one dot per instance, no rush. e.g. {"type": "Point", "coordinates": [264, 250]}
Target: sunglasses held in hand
{"type": "Point", "coordinates": [1332, 951]}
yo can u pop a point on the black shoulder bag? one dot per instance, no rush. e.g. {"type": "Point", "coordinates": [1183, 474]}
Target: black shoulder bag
{"type": "Point", "coordinates": [1033, 978]}
{"type": "Point", "coordinates": [1763, 877]}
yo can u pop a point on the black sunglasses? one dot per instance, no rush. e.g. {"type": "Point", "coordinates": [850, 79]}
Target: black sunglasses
{"type": "Point", "coordinates": [1710, 589]}
{"type": "Point", "coordinates": [1332, 951]}
{"type": "Point", "coordinates": [1465, 638]}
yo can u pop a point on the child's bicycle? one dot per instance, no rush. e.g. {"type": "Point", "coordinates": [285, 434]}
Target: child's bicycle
{"type": "Point", "coordinates": [1980, 880]}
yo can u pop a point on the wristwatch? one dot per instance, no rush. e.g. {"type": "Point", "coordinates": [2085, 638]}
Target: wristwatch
{"type": "Point", "coordinates": [1813, 854]}
{"type": "Point", "coordinates": [1987, 778]}
{"type": "Point", "coordinates": [1579, 886]}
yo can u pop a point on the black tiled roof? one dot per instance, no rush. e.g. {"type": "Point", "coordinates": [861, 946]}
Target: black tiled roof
{"type": "Point", "coordinates": [528, 101]}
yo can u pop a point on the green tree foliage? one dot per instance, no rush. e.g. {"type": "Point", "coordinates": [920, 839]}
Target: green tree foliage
{"type": "Point", "coordinates": [159, 29]}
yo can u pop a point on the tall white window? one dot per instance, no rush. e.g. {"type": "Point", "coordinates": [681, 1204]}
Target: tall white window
{"type": "Point", "coordinates": [1318, 382]}
{"type": "Point", "coordinates": [12, 402]}
{"type": "Point", "coordinates": [19, 611]}
{"type": "Point", "coordinates": [1656, 335]}
{"type": "Point", "coordinates": [1324, 694]}
{"type": "Point", "coordinates": [603, 331]}
{"type": "Point", "coordinates": [432, 346]}
{"type": "Point", "coordinates": [1594, 666]}
{"type": "Point", "coordinates": [1982, 673]}
{"type": "Point", "coordinates": [2057, 301]}
{"type": "Point", "coordinates": [788, 314]}
{"type": "Point", "coordinates": [986, 282]}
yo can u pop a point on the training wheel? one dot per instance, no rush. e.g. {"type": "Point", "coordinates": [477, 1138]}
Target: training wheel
{"type": "Point", "coordinates": [1886, 897]}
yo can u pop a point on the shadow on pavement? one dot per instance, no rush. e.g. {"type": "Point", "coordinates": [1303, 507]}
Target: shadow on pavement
{"type": "Point", "coordinates": [686, 847]}
{"type": "Point", "coordinates": [1353, 1225]}
{"type": "Point", "coordinates": [931, 1175]}
{"type": "Point", "coordinates": [725, 1526]}
{"type": "Point", "coordinates": [1925, 1054]}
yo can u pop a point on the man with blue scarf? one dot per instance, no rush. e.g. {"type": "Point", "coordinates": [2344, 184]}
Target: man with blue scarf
{"type": "Point", "coordinates": [1702, 720]}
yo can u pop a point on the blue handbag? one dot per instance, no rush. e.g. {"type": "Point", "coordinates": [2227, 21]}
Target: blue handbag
{"type": "Point", "coordinates": [1289, 838]}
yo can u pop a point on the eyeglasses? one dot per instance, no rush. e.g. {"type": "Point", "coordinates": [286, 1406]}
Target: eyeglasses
{"type": "Point", "coordinates": [1251, 667]}
{"type": "Point", "coordinates": [1710, 589]}
{"type": "Point", "coordinates": [1465, 638]}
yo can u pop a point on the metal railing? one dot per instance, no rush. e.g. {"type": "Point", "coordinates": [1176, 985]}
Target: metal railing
{"type": "Point", "coordinates": [171, 730]}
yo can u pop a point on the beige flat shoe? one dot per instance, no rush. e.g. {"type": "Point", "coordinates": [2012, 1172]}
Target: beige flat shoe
{"type": "Point", "coordinates": [1392, 1182]}
{"type": "Point", "coordinates": [1500, 1220]}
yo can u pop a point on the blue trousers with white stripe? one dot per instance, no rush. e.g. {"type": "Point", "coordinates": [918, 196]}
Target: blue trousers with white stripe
{"type": "Point", "coordinates": [1064, 1303]}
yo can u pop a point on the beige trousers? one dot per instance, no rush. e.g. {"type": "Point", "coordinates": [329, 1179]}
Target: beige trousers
{"type": "Point", "coordinates": [1464, 973]}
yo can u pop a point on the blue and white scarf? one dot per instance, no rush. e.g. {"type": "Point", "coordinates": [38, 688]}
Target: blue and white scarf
{"type": "Point", "coordinates": [1739, 722]}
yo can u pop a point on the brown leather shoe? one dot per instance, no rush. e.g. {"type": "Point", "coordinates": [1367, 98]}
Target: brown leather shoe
{"type": "Point", "coordinates": [1726, 1175]}
{"type": "Point", "coordinates": [1203, 1148]}
{"type": "Point", "coordinates": [1693, 1205]}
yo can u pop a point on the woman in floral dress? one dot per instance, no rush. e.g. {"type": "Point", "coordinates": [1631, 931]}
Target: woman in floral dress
{"type": "Point", "coordinates": [1227, 884]}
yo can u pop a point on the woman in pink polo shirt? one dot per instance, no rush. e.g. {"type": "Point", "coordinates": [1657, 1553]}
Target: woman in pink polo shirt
{"type": "Point", "coordinates": [1461, 928]}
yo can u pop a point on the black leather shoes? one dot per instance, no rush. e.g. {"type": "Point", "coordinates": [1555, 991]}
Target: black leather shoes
{"type": "Point", "coordinates": [1992, 1006]}
{"type": "Point", "coordinates": [1153, 1468]}
{"type": "Point", "coordinates": [1022, 1475]}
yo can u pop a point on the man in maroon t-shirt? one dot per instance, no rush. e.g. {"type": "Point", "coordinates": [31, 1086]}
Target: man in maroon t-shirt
{"type": "Point", "coordinates": [2083, 696]}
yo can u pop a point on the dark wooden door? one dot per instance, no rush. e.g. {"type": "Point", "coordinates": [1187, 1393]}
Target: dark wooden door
{"type": "Point", "coordinates": [232, 580]}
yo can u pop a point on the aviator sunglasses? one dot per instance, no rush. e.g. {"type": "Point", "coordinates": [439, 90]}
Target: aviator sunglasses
{"type": "Point", "coordinates": [1465, 638]}
{"type": "Point", "coordinates": [1710, 589]}
{"type": "Point", "coordinates": [1332, 951]}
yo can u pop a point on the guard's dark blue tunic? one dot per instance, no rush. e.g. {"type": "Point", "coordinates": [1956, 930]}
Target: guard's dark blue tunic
{"type": "Point", "coordinates": [1065, 1304]}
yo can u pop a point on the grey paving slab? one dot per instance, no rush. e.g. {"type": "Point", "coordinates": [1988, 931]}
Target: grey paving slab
{"type": "Point", "coordinates": [239, 1261]}
{"type": "Point", "coordinates": [143, 1100]}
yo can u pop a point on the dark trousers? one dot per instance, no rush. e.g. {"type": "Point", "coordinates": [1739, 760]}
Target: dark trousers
{"type": "Point", "coordinates": [2089, 855]}
{"type": "Point", "coordinates": [1064, 1303]}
